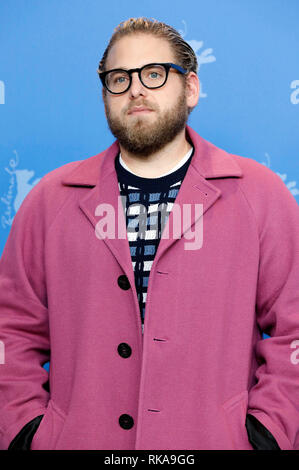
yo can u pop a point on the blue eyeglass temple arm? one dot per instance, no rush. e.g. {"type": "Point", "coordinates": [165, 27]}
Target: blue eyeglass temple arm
{"type": "Point", "coordinates": [177, 67]}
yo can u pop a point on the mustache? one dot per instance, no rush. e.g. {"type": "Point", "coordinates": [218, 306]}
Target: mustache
{"type": "Point", "coordinates": [144, 103]}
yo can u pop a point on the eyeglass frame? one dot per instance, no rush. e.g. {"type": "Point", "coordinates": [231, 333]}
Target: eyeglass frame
{"type": "Point", "coordinates": [167, 66]}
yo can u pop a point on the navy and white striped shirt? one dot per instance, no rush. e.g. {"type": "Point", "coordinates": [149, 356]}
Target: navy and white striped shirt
{"type": "Point", "coordinates": [144, 218]}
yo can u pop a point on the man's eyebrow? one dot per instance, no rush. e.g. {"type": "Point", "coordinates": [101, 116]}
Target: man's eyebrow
{"type": "Point", "coordinates": [129, 68]}
{"type": "Point", "coordinates": [120, 67]}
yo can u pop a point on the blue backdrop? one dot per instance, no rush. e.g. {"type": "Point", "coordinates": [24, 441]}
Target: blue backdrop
{"type": "Point", "coordinates": [51, 110]}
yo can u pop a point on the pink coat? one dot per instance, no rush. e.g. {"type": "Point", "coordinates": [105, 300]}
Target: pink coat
{"type": "Point", "coordinates": [202, 363]}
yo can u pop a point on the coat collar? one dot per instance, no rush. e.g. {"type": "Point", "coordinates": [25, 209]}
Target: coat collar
{"type": "Point", "coordinates": [208, 160]}
{"type": "Point", "coordinates": [99, 174]}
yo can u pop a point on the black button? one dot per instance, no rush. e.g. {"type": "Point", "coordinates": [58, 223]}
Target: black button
{"type": "Point", "coordinates": [126, 421]}
{"type": "Point", "coordinates": [124, 350]}
{"type": "Point", "coordinates": [123, 282]}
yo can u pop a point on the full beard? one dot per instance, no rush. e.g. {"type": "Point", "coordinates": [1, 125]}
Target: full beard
{"type": "Point", "coordinates": [143, 138]}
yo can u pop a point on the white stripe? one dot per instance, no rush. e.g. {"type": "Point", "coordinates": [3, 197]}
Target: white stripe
{"type": "Point", "coordinates": [152, 208]}
{"type": "Point", "coordinates": [132, 236]}
{"type": "Point", "coordinates": [133, 210]}
{"type": "Point", "coordinates": [147, 265]}
{"type": "Point", "coordinates": [150, 234]}
{"type": "Point", "coordinates": [175, 184]}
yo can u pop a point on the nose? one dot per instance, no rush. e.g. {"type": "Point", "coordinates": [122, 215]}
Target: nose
{"type": "Point", "coordinates": [136, 88]}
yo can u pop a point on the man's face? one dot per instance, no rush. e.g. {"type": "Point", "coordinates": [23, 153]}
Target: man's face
{"type": "Point", "coordinates": [145, 120]}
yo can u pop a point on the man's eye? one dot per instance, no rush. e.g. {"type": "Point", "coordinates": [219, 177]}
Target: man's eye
{"type": "Point", "coordinates": [154, 75]}
{"type": "Point", "coordinates": [119, 79]}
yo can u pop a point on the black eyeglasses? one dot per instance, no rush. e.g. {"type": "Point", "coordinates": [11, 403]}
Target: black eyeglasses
{"type": "Point", "coordinates": [155, 75]}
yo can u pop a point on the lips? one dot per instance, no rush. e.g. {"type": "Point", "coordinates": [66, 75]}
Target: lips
{"type": "Point", "coordinates": [139, 109]}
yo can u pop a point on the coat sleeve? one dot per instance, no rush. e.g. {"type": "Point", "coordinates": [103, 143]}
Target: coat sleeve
{"type": "Point", "coordinates": [24, 329]}
{"type": "Point", "coordinates": [274, 399]}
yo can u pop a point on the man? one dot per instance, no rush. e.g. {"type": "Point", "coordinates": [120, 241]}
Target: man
{"type": "Point", "coordinates": [154, 339]}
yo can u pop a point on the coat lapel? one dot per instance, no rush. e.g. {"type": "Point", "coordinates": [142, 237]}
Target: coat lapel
{"type": "Point", "coordinates": [208, 162]}
{"type": "Point", "coordinates": [98, 173]}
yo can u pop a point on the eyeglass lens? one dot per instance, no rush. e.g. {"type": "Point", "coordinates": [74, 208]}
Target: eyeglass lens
{"type": "Point", "coordinates": [152, 76]}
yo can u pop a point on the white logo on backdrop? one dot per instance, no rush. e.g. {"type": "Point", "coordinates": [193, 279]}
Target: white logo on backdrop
{"type": "Point", "coordinates": [204, 57]}
{"type": "Point", "coordinates": [2, 92]}
{"type": "Point", "coordinates": [295, 94]}
{"type": "Point", "coordinates": [291, 185]}
{"type": "Point", "coordinates": [19, 187]}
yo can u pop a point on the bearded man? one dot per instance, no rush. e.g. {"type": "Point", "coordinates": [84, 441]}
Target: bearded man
{"type": "Point", "coordinates": [153, 342]}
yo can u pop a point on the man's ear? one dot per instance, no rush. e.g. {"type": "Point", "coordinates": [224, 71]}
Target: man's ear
{"type": "Point", "coordinates": [192, 89]}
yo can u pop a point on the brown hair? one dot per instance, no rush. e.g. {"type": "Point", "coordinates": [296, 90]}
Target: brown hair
{"type": "Point", "coordinates": [184, 53]}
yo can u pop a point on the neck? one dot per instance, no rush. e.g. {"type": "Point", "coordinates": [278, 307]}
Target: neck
{"type": "Point", "coordinates": [158, 163]}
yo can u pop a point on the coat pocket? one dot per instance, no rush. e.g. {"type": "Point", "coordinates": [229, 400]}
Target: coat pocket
{"type": "Point", "coordinates": [50, 428]}
{"type": "Point", "coordinates": [235, 410]}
